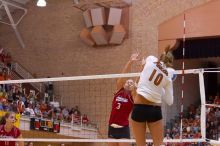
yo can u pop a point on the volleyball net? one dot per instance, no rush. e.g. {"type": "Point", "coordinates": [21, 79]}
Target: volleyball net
{"type": "Point", "coordinates": [77, 109]}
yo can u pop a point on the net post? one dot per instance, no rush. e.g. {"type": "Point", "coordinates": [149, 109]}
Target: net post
{"type": "Point", "coordinates": [203, 102]}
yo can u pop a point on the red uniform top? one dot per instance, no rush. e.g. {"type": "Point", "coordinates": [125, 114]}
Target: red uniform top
{"type": "Point", "coordinates": [85, 120]}
{"type": "Point", "coordinates": [122, 105]}
{"type": "Point", "coordinates": [14, 133]}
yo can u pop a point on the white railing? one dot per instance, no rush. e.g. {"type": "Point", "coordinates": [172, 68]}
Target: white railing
{"type": "Point", "coordinates": [26, 75]}
{"type": "Point", "coordinates": [14, 76]}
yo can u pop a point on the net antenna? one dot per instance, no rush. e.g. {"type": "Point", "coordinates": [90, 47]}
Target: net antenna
{"type": "Point", "coordinates": [182, 76]}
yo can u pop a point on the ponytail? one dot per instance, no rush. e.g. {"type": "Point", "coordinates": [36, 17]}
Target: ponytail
{"type": "Point", "coordinates": [3, 121]}
{"type": "Point", "coordinates": [167, 57]}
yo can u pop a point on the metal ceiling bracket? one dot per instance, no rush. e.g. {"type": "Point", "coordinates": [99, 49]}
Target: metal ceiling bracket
{"type": "Point", "coordinates": [12, 22]}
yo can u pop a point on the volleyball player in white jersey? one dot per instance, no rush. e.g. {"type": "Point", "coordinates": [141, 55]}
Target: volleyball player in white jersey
{"type": "Point", "coordinates": [154, 87]}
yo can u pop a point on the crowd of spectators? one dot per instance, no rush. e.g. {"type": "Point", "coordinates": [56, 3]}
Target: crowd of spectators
{"type": "Point", "coordinates": [213, 118]}
{"type": "Point", "coordinates": [13, 98]}
{"type": "Point", "coordinates": [191, 123]}
{"type": "Point", "coordinates": [5, 65]}
{"type": "Point", "coordinates": [5, 58]}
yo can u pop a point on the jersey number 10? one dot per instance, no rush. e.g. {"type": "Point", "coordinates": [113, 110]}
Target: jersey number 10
{"type": "Point", "coordinates": [157, 79]}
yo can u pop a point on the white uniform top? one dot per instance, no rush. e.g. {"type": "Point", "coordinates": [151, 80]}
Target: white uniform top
{"type": "Point", "coordinates": [155, 82]}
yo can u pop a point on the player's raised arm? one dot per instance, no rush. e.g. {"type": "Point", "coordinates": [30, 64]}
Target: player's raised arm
{"type": "Point", "coordinates": [127, 69]}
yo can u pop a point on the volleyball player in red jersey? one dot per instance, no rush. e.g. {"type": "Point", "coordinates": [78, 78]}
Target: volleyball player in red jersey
{"type": "Point", "coordinates": [122, 105]}
{"type": "Point", "coordinates": [8, 130]}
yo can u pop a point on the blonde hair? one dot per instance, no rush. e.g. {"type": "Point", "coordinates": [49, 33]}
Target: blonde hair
{"type": "Point", "coordinates": [167, 57]}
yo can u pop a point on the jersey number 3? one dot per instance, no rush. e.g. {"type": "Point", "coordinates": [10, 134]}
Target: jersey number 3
{"type": "Point", "coordinates": [118, 106]}
{"type": "Point", "coordinates": [157, 79]}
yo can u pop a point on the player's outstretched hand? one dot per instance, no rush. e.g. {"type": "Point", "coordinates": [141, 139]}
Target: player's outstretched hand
{"type": "Point", "coordinates": [143, 61]}
{"type": "Point", "coordinates": [135, 57]}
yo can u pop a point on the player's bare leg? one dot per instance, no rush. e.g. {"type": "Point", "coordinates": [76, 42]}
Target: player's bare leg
{"type": "Point", "coordinates": [139, 131]}
{"type": "Point", "coordinates": [156, 130]}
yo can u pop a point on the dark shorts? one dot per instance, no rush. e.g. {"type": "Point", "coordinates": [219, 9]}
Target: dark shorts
{"type": "Point", "coordinates": [146, 113]}
{"type": "Point", "coordinates": [119, 133]}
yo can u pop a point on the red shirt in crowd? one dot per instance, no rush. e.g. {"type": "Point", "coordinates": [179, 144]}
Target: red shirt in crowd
{"type": "Point", "coordinates": [85, 119]}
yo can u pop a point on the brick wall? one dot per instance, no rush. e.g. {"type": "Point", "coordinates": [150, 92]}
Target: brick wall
{"type": "Point", "coordinates": [53, 46]}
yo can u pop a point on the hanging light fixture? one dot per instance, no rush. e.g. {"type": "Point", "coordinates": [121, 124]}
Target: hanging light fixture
{"type": "Point", "coordinates": [41, 3]}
